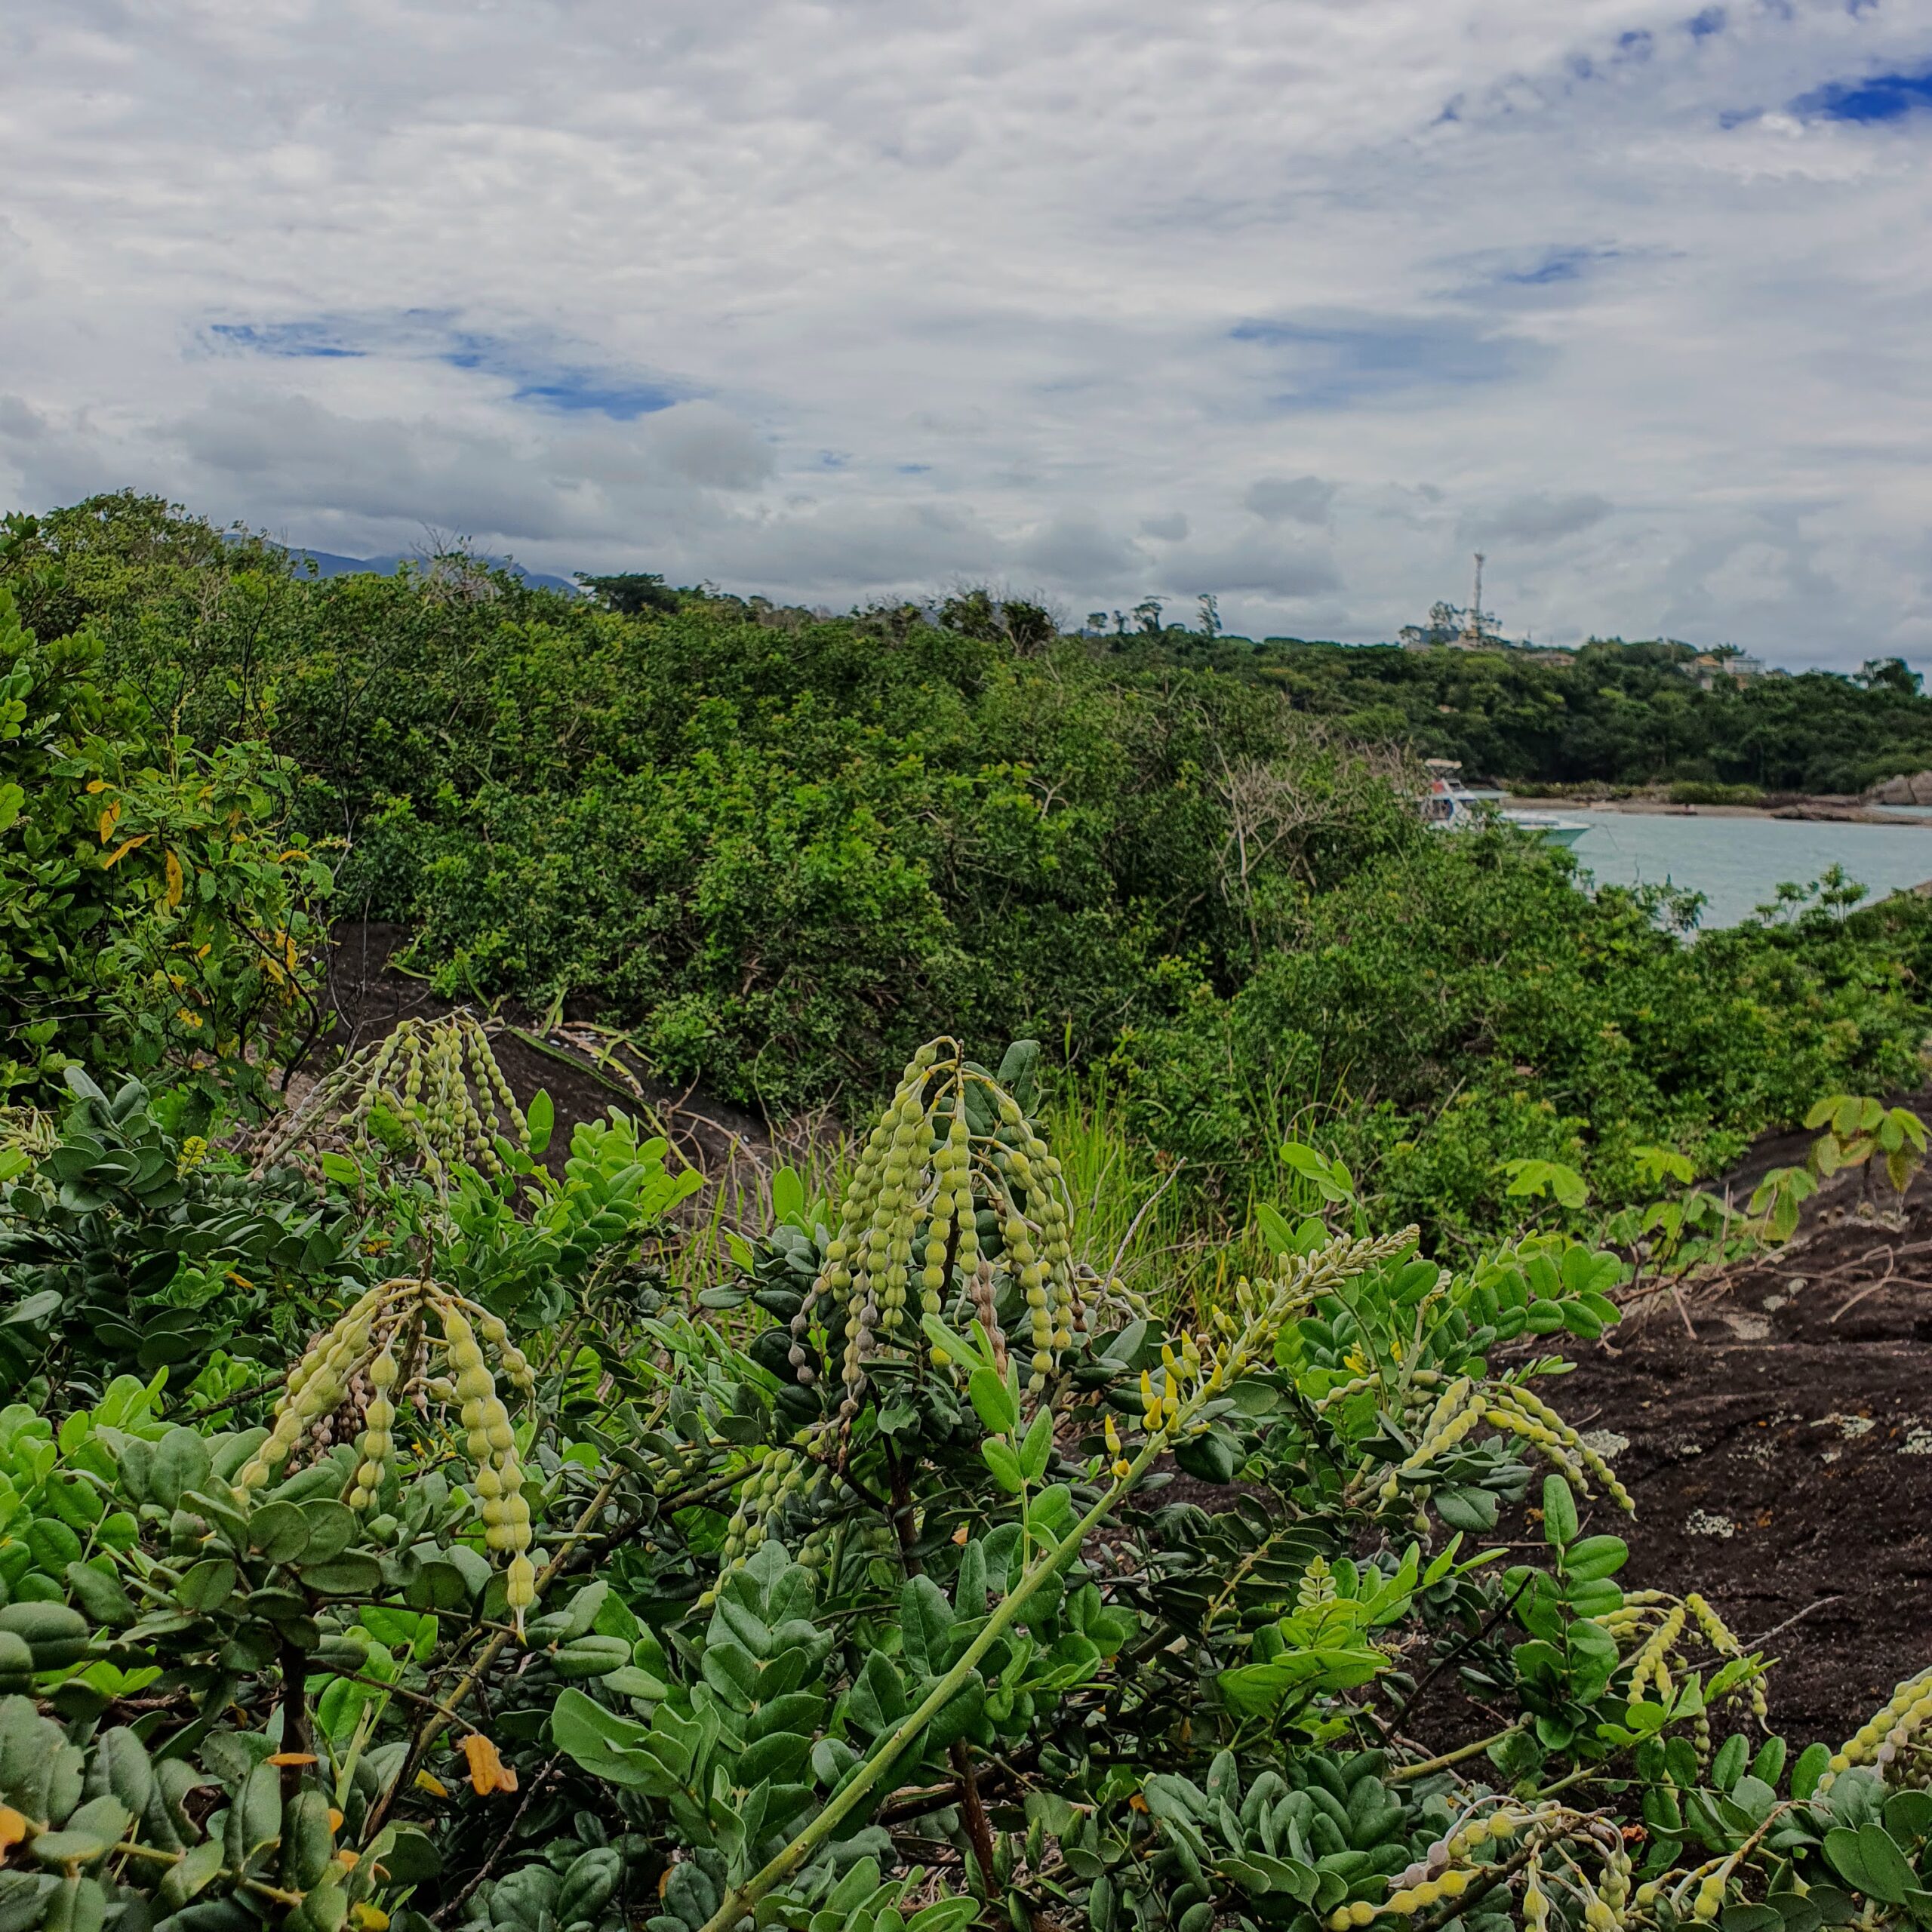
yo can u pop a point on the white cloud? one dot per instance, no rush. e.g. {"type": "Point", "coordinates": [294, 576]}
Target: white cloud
{"type": "Point", "coordinates": [1534, 518]}
{"type": "Point", "coordinates": [1290, 500]}
{"type": "Point", "coordinates": [1258, 565]}
{"type": "Point", "coordinates": [1295, 301]}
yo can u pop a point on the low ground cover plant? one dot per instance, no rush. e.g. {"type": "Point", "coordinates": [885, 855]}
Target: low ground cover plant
{"type": "Point", "coordinates": [477, 1576]}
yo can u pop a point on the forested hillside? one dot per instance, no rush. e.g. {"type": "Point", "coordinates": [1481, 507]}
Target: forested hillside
{"type": "Point", "coordinates": [1616, 714]}
{"type": "Point", "coordinates": [780, 850]}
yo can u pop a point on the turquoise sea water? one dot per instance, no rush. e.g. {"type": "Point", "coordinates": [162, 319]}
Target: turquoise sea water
{"type": "Point", "coordinates": [1738, 862]}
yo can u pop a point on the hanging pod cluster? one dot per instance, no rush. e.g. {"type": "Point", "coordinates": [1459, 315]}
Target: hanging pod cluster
{"type": "Point", "coordinates": [1464, 1855]}
{"type": "Point", "coordinates": [410, 1340]}
{"type": "Point", "coordinates": [434, 1083]}
{"type": "Point", "coordinates": [1659, 1624]}
{"type": "Point", "coordinates": [777, 1477]}
{"type": "Point", "coordinates": [1880, 1740]}
{"type": "Point", "coordinates": [954, 1187]}
{"type": "Point", "coordinates": [1464, 1405]}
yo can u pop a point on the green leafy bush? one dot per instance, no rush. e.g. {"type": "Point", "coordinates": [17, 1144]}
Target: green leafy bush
{"type": "Point", "coordinates": [1459, 1005]}
{"type": "Point", "coordinates": [531, 1597]}
{"type": "Point", "coordinates": [154, 907]}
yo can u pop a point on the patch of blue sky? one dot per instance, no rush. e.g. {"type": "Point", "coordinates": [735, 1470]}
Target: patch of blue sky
{"type": "Point", "coordinates": [284, 339]}
{"type": "Point", "coordinates": [1505, 281]}
{"type": "Point", "coordinates": [834, 459]}
{"type": "Point", "coordinates": [550, 383]}
{"type": "Point", "coordinates": [536, 375]}
{"type": "Point", "coordinates": [1331, 363]}
{"type": "Point", "coordinates": [1704, 26]}
{"type": "Point", "coordinates": [1556, 265]}
{"type": "Point", "coordinates": [1877, 97]}
{"type": "Point", "coordinates": [914, 468]}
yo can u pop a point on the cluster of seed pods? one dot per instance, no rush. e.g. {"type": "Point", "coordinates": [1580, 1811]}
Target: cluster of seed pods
{"type": "Point", "coordinates": [386, 1343]}
{"type": "Point", "coordinates": [1463, 1406]}
{"type": "Point", "coordinates": [1453, 1864]}
{"type": "Point", "coordinates": [1658, 1623]}
{"type": "Point", "coordinates": [438, 1078]}
{"type": "Point", "coordinates": [1888, 1731]}
{"type": "Point", "coordinates": [951, 1159]}
{"type": "Point", "coordinates": [772, 1483]}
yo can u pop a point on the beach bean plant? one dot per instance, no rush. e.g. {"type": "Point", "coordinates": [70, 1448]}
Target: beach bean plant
{"type": "Point", "coordinates": [466, 1572]}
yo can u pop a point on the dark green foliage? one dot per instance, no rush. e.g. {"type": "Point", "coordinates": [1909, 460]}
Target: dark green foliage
{"type": "Point", "coordinates": [154, 903]}
{"type": "Point", "coordinates": [1623, 714]}
{"type": "Point", "coordinates": [128, 1249]}
{"type": "Point", "coordinates": [780, 849]}
{"type": "Point", "coordinates": [784, 851]}
{"type": "Point", "coordinates": [631, 594]}
{"type": "Point", "coordinates": [1459, 1004]}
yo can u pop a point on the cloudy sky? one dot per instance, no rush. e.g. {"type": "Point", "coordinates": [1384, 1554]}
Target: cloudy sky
{"type": "Point", "coordinates": [1295, 301]}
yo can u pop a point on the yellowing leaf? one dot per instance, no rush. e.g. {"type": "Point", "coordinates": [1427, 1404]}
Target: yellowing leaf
{"type": "Point", "coordinates": [487, 1771]}
{"type": "Point", "coordinates": [121, 851]}
{"type": "Point", "coordinates": [13, 1829]}
{"type": "Point", "coordinates": [96, 784]}
{"type": "Point", "coordinates": [291, 1757]}
{"type": "Point", "coordinates": [109, 817]}
{"type": "Point", "coordinates": [174, 869]}
{"type": "Point", "coordinates": [434, 1786]}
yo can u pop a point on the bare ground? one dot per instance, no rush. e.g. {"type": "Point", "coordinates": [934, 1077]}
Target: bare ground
{"type": "Point", "coordinates": [1780, 1453]}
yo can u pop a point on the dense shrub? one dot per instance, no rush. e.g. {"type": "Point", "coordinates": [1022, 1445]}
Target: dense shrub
{"type": "Point", "coordinates": [1460, 1003]}
{"type": "Point", "coordinates": [155, 904]}
{"type": "Point", "coordinates": [778, 849]}
{"type": "Point", "coordinates": [526, 1596]}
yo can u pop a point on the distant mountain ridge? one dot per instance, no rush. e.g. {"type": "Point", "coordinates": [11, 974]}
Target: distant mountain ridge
{"type": "Point", "coordinates": [327, 563]}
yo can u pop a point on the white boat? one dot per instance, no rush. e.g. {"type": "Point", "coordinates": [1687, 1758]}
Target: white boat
{"type": "Point", "coordinates": [1450, 807]}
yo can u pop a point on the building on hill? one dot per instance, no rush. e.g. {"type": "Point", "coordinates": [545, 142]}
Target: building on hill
{"type": "Point", "coordinates": [1726, 664]}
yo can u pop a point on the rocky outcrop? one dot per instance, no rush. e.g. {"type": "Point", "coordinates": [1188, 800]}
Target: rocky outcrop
{"type": "Point", "coordinates": [1916, 790]}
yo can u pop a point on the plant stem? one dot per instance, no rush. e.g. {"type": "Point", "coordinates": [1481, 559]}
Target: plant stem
{"type": "Point", "coordinates": [1404, 1772]}
{"type": "Point", "coordinates": [1462, 1650]}
{"type": "Point", "coordinates": [1577, 1776]}
{"type": "Point", "coordinates": [294, 1716]}
{"type": "Point", "coordinates": [444, 1713]}
{"type": "Point", "coordinates": [740, 1898]}
{"type": "Point", "coordinates": [1484, 1882]}
{"type": "Point", "coordinates": [240, 1395]}
{"type": "Point", "coordinates": [508, 1831]}
{"type": "Point", "coordinates": [979, 1828]}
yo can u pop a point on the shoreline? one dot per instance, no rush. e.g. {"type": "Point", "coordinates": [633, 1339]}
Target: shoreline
{"type": "Point", "coordinates": [1817, 811]}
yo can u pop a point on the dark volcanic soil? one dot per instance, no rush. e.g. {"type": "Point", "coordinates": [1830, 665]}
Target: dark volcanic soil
{"type": "Point", "coordinates": [1781, 1460]}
